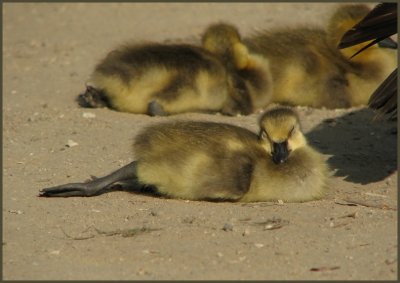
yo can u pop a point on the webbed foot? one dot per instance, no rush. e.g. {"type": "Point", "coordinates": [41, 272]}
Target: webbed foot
{"type": "Point", "coordinates": [92, 98]}
{"type": "Point", "coordinates": [94, 187]}
{"type": "Point", "coordinates": [71, 190]}
{"type": "Point", "coordinates": [155, 109]}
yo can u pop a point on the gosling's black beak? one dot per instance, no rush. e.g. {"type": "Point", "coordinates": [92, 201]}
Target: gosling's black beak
{"type": "Point", "coordinates": [280, 152]}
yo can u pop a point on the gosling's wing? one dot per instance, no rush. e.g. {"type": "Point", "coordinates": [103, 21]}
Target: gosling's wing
{"type": "Point", "coordinates": [384, 99]}
{"type": "Point", "coordinates": [377, 25]}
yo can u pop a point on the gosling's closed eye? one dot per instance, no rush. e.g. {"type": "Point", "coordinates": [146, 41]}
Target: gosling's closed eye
{"type": "Point", "coordinates": [292, 131]}
{"type": "Point", "coordinates": [264, 135]}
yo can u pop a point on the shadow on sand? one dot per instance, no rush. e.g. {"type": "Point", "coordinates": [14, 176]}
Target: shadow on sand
{"type": "Point", "coordinates": [364, 151]}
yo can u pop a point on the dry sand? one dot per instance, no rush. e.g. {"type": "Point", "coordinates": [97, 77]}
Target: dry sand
{"type": "Point", "coordinates": [49, 51]}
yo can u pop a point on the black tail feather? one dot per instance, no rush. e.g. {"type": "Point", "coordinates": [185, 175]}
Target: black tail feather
{"type": "Point", "coordinates": [384, 99]}
{"type": "Point", "coordinates": [381, 22]}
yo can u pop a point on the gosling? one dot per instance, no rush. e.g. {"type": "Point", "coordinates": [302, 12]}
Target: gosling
{"type": "Point", "coordinates": [164, 79]}
{"type": "Point", "coordinates": [309, 69]}
{"type": "Point", "coordinates": [224, 41]}
{"type": "Point", "coordinates": [305, 66]}
{"type": "Point", "coordinates": [213, 161]}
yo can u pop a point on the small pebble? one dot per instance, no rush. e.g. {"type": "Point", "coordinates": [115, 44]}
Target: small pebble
{"type": "Point", "coordinates": [88, 115]}
{"type": "Point", "coordinates": [16, 212]}
{"type": "Point", "coordinates": [227, 227]}
{"type": "Point", "coordinates": [141, 271]}
{"type": "Point", "coordinates": [71, 143]}
{"type": "Point", "coordinates": [188, 219]}
{"type": "Point", "coordinates": [269, 226]}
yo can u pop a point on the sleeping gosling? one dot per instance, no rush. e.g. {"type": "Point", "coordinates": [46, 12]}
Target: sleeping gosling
{"type": "Point", "coordinates": [304, 65]}
{"type": "Point", "coordinates": [214, 161]}
{"type": "Point", "coordinates": [308, 69]}
{"type": "Point", "coordinates": [165, 79]}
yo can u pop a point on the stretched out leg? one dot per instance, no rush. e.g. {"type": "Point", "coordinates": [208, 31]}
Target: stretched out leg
{"type": "Point", "coordinates": [94, 187]}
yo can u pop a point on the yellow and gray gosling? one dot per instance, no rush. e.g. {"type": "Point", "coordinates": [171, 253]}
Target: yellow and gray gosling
{"type": "Point", "coordinates": [305, 66]}
{"type": "Point", "coordinates": [223, 40]}
{"type": "Point", "coordinates": [308, 69]}
{"type": "Point", "coordinates": [164, 79]}
{"type": "Point", "coordinates": [214, 161]}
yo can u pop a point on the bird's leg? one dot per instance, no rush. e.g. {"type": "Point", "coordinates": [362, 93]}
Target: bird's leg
{"type": "Point", "coordinates": [155, 109]}
{"type": "Point", "coordinates": [94, 187]}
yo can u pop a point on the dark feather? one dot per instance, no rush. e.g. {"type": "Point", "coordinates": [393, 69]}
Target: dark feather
{"type": "Point", "coordinates": [367, 46]}
{"type": "Point", "coordinates": [384, 99]}
{"type": "Point", "coordinates": [381, 22]}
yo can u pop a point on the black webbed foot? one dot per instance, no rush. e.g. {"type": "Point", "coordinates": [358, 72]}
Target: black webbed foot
{"type": "Point", "coordinates": [72, 190]}
{"type": "Point", "coordinates": [93, 98]}
{"type": "Point", "coordinates": [94, 187]}
{"type": "Point", "coordinates": [155, 109]}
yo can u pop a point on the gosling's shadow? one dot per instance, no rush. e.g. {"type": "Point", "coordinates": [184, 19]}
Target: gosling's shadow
{"type": "Point", "coordinates": [364, 151]}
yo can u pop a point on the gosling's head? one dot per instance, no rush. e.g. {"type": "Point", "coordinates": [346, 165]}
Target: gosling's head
{"type": "Point", "coordinates": [220, 37]}
{"type": "Point", "coordinates": [280, 133]}
{"type": "Point", "coordinates": [224, 40]}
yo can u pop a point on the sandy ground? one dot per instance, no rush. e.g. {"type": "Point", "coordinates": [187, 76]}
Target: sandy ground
{"type": "Point", "coordinates": [49, 51]}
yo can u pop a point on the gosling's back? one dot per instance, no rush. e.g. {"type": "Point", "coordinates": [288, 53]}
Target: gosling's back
{"type": "Point", "coordinates": [197, 160]}
{"type": "Point", "coordinates": [178, 77]}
